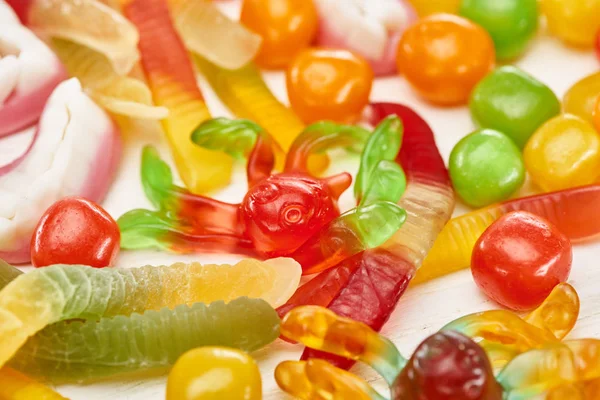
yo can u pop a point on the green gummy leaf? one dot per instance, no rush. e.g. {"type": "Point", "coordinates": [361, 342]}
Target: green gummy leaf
{"type": "Point", "coordinates": [80, 351]}
{"type": "Point", "coordinates": [157, 179]}
{"type": "Point", "coordinates": [235, 137]}
{"type": "Point", "coordinates": [377, 222]}
{"type": "Point", "coordinates": [142, 229]}
{"type": "Point", "coordinates": [386, 183]}
{"type": "Point", "coordinates": [383, 144]}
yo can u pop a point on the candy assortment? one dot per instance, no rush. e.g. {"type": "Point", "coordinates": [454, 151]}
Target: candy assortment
{"type": "Point", "coordinates": [80, 318]}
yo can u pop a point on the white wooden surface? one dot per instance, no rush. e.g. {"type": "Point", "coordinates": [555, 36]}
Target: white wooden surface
{"type": "Point", "coordinates": [423, 309]}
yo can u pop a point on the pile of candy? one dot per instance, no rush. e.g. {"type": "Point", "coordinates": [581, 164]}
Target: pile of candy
{"type": "Point", "coordinates": [70, 75]}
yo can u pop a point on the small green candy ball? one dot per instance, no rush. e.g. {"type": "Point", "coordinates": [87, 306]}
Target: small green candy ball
{"type": "Point", "coordinates": [486, 167]}
{"type": "Point", "coordinates": [512, 102]}
{"type": "Point", "coordinates": [510, 23]}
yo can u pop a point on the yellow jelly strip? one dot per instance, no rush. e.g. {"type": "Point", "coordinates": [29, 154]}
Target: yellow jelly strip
{"type": "Point", "coordinates": [118, 94]}
{"type": "Point", "coordinates": [173, 84]}
{"type": "Point", "coordinates": [245, 93]}
{"type": "Point", "coordinates": [89, 23]}
{"type": "Point", "coordinates": [209, 33]}
{"type": "Point", "coordinates": [16, 386]}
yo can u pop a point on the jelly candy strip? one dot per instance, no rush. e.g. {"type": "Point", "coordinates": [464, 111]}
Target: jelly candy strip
{"type": "Point", "coordinates": [173, 84]}
{"type": "Point", "coordinates": [317, 379]}
{"type": "Point", "coordinates": [16, 386]}
{"type": "Point", "coordinates": [89, 23]}
{"type": "Point", "coordinates": [366, 287]}
{"type": "Point", "coordinates": [29, 73]}
{"type": "Point", "coordinates": [359, 229]}
{"type": "Point", "coordinates": [245, 93]}
{"type": "Point", "coordinates": [74, 134]}
{"type": "Point", "coordinates": [319, 328]}
{"type": "Point", "coordinates": [570, 210]}
{"type": "Point", "coordinates": [85, 351]}
{"type": "Point", "coordinates": [121, 95]}
{"type": "Point", "coordinates": [383, 144]}
{"type": "Point", "coordinates": [210, 34]}
{"type": "Point", "coordinates": [59, 293]}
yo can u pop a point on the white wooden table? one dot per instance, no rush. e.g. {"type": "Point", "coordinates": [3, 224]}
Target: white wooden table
{"type": "Point", "coordinates": [423, 309]}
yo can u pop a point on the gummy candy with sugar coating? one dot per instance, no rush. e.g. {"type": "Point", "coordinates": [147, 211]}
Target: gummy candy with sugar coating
{"type": "Point", "coordinates": [84, 351]}
{"type": "Point", "coordinates": [59, 293]}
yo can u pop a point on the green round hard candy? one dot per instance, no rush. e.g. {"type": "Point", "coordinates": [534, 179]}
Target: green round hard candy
{"type": "Point", "coordinates": [510, 23]}
{"type": "Point", "coordinates": [486, 167]}
{"type": "Point", "coordinates": [513, 102]}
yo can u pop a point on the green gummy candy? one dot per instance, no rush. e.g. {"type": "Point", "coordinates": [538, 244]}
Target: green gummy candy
{"type": "Point", "coordinates": [377, 222]}
{"type": "Point", "coordinates": [383, 144]}
{"type": "Point", "coordinates": [510, 23]}
{"type": "Point", "coordinates": [83, 351]}
{"type": "Point", "coordinates": [386, 183]}
{"type": "Point", "coordinates": [157, 178]}
{"type": "Point", "coordinates": [513, 102]}
{"type": "Point", "coordinates": [486, 167]}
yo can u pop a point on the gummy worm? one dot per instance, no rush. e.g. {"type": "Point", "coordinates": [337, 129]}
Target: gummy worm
{"type": "Point", "coordinates": [173, 84]}
{"type": "Point", "coordinates": [61, 292]}
{"type": "Point", "coordinates": [572, 211]}
{"type": "Point", "coordinates": [245, 93]}
{"type": "Point", "coordinates": [83, 351]}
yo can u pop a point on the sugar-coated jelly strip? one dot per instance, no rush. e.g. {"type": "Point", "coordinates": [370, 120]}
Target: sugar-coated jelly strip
{"type": "Point", "coordinates": [212, 35]}
{"type": "Point", "coordinates": [16, 386]}
{"type": "Point", "coordinates": [246, 94]}
{"type": "Point", "coordinates": [84, 351]}
{"type": "Point", "coordinates": [89, 23]}
{"type": "Point", "coordinates": [317, 379]}
{"type": "Point", "coordinates": [573, 211]}
{"type": "Point", "coordinates": [173, 84]}
{"type": "Point", "coordinates": [116, 93]}
{"type": "Point", "coordinates": [63, 292]}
